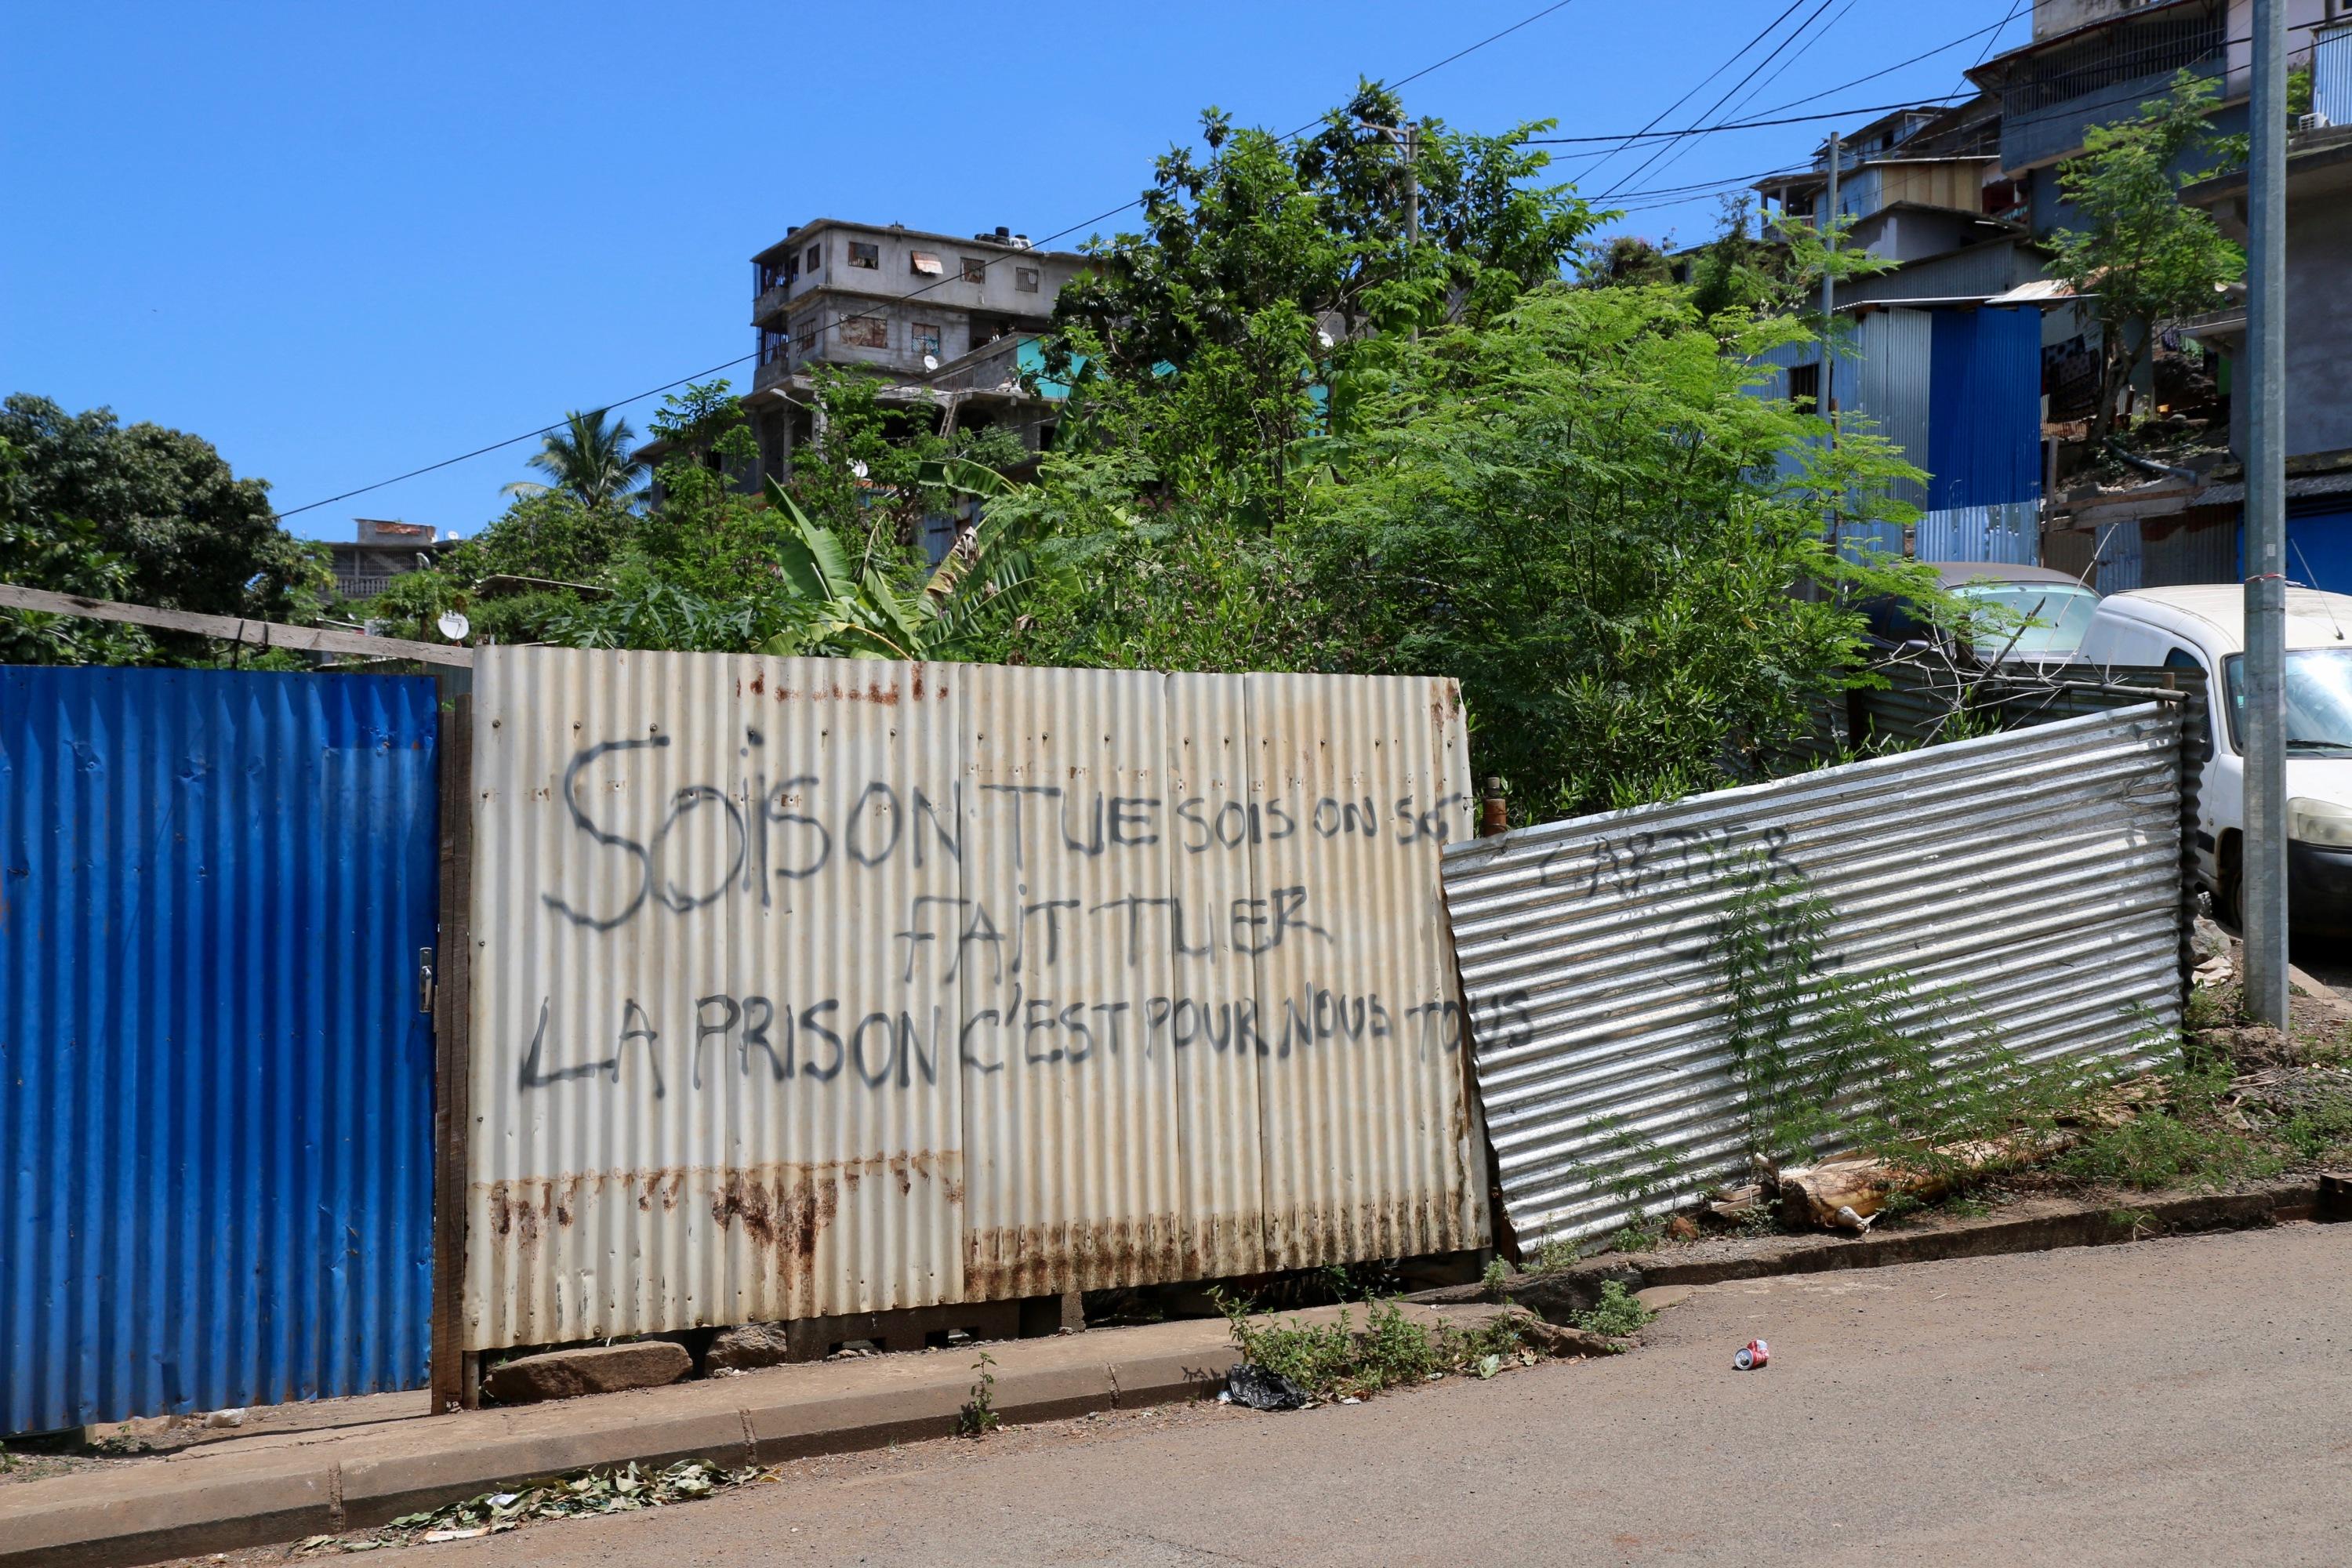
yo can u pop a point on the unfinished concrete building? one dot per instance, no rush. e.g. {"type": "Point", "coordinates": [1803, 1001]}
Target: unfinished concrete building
{"type": "Point", "coordinates": [950, 324]}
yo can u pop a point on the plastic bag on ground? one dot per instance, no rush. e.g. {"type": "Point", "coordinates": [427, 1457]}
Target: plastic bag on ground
{"type": "Point", "coordinates": [1262, 1390]}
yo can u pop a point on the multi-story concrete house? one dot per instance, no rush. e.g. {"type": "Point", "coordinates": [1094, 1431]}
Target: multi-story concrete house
{"type": "Point", "coordinates": [948, 324]}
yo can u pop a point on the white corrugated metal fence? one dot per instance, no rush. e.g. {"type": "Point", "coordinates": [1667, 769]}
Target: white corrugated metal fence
{"type": "Point", "coordinates": [2024, 887]}
{"type": "Point", "coordinates": [808, 986]}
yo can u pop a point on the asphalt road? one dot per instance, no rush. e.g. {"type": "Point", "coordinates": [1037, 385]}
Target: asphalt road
{"type": "Point", "coordinates": [2173, 1402]}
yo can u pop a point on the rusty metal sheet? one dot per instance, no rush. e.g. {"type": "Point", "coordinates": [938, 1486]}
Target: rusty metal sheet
{"type": "Point", "coordinates": [2023, 886]}
{"type": "Point", "coordinates": [1212, 1020]}
{"type": "Point", "coordinates": [709, 1086]}
{"type": "Point", "coordinates": [1354, 789]}
{"type": "Point", "coordinates": [807, 987]}
{"type": "Point", "coordinates": [1070, 1105]}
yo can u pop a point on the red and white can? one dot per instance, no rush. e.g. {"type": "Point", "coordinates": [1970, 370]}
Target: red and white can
{"type": "Point", "coordinates": [1751, 1356]}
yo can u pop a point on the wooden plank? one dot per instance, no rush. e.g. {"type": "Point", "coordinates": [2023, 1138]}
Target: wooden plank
{"type": "Point", "coordinates": [232, 629]}
{"type": "Point", "coordinates": [454, 1385]}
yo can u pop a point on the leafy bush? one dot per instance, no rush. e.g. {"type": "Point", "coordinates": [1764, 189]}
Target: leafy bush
{"type": "Point", "coordinates": [1335, 1360]}
{"type": "Point", "coordinates": [1617, 1313]}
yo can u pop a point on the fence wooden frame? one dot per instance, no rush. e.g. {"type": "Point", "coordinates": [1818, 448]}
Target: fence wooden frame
{"type": "Point", "coordinates": [256, 635]}
{"type": "Point", "coordinates": [453, 1369]}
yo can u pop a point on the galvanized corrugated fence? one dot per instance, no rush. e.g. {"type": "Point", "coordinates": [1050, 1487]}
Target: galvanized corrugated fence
{"type": "Point", "coordinates": [2010, 533]}
{"type": "Point", "coordinates": [216, 1081]}
{"type": "Point", "coordinates": [2024, 886]}
{"type": "Point", "coordinates": [805, 987]}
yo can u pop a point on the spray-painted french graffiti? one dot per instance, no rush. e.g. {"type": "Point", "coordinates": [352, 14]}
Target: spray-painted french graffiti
{"type": "Point", "coordinates": [825, 1041]}
{"type": "Point", "coordinates": [1011, 917]}
{"type": "Point", "coordinates": [774, 830]}
{"type": "Point", "coordinates": [1652, 861]}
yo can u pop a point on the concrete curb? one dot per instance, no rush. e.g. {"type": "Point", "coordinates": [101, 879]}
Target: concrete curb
{"type": "Point", "coordinates": [2049, 1229]}
{"type": "Point", "coordinates": [222, 1496]}
{"type": "Point", "coordinates": [215, 1499]}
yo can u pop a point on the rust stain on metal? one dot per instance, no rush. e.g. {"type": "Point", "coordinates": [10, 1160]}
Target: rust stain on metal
{"type": "Point", "coordinates": [787, 1211]}
{"type": "Point", "coordinates": [1043, 1259]}
{"type": "Point", "coordinates": [784, 1205]}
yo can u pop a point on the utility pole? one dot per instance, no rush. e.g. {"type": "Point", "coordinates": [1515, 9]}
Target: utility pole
{"type": "Point", "coordinates": [1412, 198]}
{"type": "Point", "coordinates": [1407, 140]}
{"type": "Point", "coordinates": [1411, 185]}
{"type": "Point", "coordinates": [2262, 873]}
{"type": "Point", "coordinates": [1829, 292]}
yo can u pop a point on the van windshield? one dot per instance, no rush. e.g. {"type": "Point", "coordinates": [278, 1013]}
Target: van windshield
{"type": "Point", "coordinates": [2056, 614]}
{"type": "Point", "coordinates": [2318, 701]}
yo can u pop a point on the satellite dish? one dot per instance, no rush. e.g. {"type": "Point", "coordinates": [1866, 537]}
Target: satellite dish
{"type": "Point", "coordinates": [930, 361]}
{"type": "Point", "coordinates": [454, 625]}
{"type": "Point", "coordinates": [1325, 336]}
{"type": "Point", "coordinates": [857, 466]}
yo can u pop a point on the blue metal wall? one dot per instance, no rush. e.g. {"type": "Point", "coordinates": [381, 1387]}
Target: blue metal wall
{"type": "Point", "coordinates": [215, 1085]}
{"type": "Point", "coordinates": [2331, 76]}
{"type": "Point", "coordinates": [1984, 439]}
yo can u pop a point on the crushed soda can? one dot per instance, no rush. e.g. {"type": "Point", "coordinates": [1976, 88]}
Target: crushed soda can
{"type": "Point", "coordinates": [1751, 1356]}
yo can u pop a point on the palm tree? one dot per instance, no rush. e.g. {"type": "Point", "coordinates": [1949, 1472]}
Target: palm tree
{"type": "Point", "coordinates": [589, 456]}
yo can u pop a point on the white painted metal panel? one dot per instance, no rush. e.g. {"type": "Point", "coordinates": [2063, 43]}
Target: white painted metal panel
{"type": "Point", "coordinates": [708, 1085]}
{"type": "Point", "coordinates": [1214, 1011]}
{"type": "Point", "coordinates": [1071, 1104]}
{"type": "Point", "coordinates": [1354, 789]}
{"type": "Point", "coordinates": [2026, 885]}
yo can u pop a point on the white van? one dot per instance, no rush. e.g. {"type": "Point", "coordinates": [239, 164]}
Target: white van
{"type": "Point", "coordinates": [2204, 627]}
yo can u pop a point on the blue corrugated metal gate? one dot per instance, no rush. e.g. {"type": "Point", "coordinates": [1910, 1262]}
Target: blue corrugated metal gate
{"type": "Point", "coordinates": [1984, 444]}
{"type": "Point", "coordinates": [216, 1084]}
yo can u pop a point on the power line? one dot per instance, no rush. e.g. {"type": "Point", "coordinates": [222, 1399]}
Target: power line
{"type": "Point", "coordinates": [1750, 95]}
{"type": "Point", "coordinates": [1989, 34]}
{"type": "Point", "coordinates": [825, 327]}
{"type": "Point", "coordinates": [509, 441]}
{"type": "Point", "coordinates": [1745, 125]}
{"type": "Point", "coordinates": [1524, 21]}
{"type": "Point", "coordinates": [1696, 87]}
{"type": "Point", "coordinates": [1890, 70]}
{"type": "Point", "coordinates": [1720, 103]}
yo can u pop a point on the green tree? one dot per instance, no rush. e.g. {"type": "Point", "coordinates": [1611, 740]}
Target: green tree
{"type": "Point", "coordinates": [708, 566]}
{"type": "Point", "coordinates": [1579, 512]}
{"type": "Point", "coordinates": [875, 473]}
{"type": "Point", "coordinates": [2141, 256]}
{"type": "Point", "coordinates": [1219, 336]}
{"type": "Point", "coordinates": [589, 458]}
{"type": "Point", "coordinates": [62, 556]}
{"type": "Point", "coordinates": [187, 532]}
{"type": "Point", "coordinates": [1627, 259]}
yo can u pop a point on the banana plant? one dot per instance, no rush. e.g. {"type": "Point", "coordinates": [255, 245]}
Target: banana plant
{"type": "Point", "coordinates": [854, 613]}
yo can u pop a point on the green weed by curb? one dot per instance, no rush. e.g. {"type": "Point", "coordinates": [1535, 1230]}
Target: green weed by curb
{"type": "Point", "coordinates": [1617, 1314]}
{"type": "Point", "coordinates": [978, 1417]}
{"type": "Point", "coordinates": [1339, 1360]}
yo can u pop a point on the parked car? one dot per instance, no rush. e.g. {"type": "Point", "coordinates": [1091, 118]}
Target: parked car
{"type": "Point", "coordinates": [2204, 628]}
{"type": "Point", "coordinates": [2028, 615]}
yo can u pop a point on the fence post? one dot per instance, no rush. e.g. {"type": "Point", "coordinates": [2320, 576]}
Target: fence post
{"type": "Point", "coordinates": [1494, 816]}
{"type": "Point", "coordinates": [452, 1368]}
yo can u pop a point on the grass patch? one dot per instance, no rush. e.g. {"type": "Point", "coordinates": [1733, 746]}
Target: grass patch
{"type": "Point", "coordinates": [1339, 1359]}
{"type": "Point", "coordinates": [2185, 1142]}
{"type": "Point", "coordinates": [1617, 1314]}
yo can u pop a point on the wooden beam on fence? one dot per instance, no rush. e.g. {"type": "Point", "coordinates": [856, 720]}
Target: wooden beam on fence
{"type": "Point", "coordinates": [234, 628]}
{"type": "Point", "coordinates": [453, 1369]}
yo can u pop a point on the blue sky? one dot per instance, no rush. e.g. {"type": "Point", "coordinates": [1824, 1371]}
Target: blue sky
{"type": "Point", "coordinates": [342, 242]}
